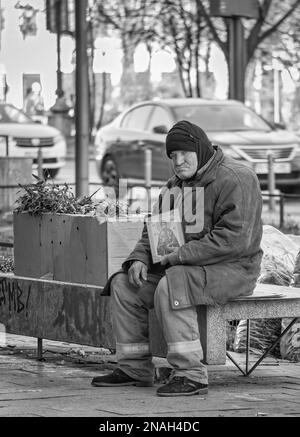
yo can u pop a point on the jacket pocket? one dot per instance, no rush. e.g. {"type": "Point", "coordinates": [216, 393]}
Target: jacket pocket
{"type": "Point", "coordinates": [178, 288]}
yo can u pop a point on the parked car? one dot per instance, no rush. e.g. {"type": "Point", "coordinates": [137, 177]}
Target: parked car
{"type": "Point", "coordinates": [242, 134]}
{"type": "Point", "coordinates": [21, 136]}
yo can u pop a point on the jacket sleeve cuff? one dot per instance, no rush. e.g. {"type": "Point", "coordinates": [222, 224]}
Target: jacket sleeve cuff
{"type": "Point", "coordinates": [174, 259]}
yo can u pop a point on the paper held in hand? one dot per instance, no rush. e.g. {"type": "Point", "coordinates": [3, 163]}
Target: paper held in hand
{"type": "Point", "coordinates": [165, 234]}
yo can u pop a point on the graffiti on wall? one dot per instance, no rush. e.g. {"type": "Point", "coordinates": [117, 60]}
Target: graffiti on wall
{"type": "Point", "coordinates": [13, 297]}
{"type": "Point", "coordinates": [59, 313]}
{"type": "Point", "coordinates": [83, 314]}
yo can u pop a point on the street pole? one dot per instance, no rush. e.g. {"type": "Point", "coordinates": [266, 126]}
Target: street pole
{"type": "Point", "coordinates": [82, 101]}
{"type": "Point", "coordinates": [0, 24]}
{"type": "Point", "coordinates": [237, 59]}
{"type": "Point", "coordinates": [59, 90]}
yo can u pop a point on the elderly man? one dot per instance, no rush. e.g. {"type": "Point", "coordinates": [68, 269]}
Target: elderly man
{"type": "Point", "coordinates": [219, 262]}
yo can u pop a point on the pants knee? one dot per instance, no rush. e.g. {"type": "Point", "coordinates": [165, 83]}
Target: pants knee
{"type": "Point", "coordinates": [119, 284]}
{"type": "Point", "coordinates": [161, 297]}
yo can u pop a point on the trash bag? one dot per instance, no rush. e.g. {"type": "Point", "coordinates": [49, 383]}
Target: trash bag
{"type": "Point", "coordinates": [296, 281]}
{"type": "Point", "coordinates": [263, 333]}
{"type": "Point", "coordinates": [290, 342]}
{"type": "Point", "coordinates": [277, 267]}
{"type": "Point", "coordinates": [279, 257]}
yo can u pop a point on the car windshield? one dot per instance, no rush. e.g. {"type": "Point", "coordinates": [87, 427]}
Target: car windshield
{"type": "Point", "coordinates": [221, 117]}
{"type": "Point", "coordinates": [10, 114]}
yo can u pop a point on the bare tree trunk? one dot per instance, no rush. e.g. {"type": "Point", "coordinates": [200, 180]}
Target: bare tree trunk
{"type": "Point", "coordinates": [181, 77]}
{"type": "Point", "coordinates": [189, 81]}
{"type": "Point", "coordinates": [196, 56]}
{"type": "Point", "coordinates": [103, 100]}
{"type": "Point", "coordinates": [128, 74]}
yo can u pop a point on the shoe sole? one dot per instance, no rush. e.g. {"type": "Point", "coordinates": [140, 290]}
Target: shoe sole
{"type": "Point", "coordinates": [123, 384]}
{"type": "Point", "coordinates": [201, 391]}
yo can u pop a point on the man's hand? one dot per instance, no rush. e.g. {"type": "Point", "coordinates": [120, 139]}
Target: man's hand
{"type": "Point", "coordinates": [137, 273]}
{"type": "Point", "coordinates": [171, 249]}
{"type": "Point", "coordinates": [172, 258]}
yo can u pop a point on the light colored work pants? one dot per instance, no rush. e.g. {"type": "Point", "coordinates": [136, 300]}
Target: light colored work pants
{"type": "Point", "coordinates": [130, 307]}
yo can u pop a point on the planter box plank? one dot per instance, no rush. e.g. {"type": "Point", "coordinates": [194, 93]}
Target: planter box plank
{"type": "Point", "coordinates": [60, 235]}
{"type": "Point", "coordinates": [46, 245]}
{"type": "Point", "coordinates": [72, 248]}
{"type": "Point", "coordinates": [75, 245]}
{"type": "Point", "coordinates": [27, 249]}
{"type": "Point", "coordinates": [121, 239]}
{"type": "Point", "coordinates": [96, 252]}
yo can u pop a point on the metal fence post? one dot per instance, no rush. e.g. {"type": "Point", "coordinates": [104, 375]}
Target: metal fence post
{"type": "Point", "coordinates": [40, 163]}
{"type": "Point", "coordinates": [7, 145]}
{"type": "Point", "coordinates": [281, 211]}
{"type": "Point", "coordinates": [148, 175]}
{"type": "Point", "coordinates": [271, 180]}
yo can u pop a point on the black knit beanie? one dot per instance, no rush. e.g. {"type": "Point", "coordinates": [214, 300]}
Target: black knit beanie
{"type": "Point", "coordinates": [189, 137]}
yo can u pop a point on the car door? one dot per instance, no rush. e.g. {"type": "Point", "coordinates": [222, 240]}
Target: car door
{"type": "Point", "coordinates": [159, 124]}
{"type": "Point", "coordinates": [128, 149]}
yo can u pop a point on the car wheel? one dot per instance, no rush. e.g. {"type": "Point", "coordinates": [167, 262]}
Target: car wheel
{"type": "Point", "coordinates": [110, 173]}
{"type": "Point", "coordinates": [50, 173]}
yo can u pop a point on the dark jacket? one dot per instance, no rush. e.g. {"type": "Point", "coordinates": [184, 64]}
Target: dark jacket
{"type": "Point", "coordinates": [223, 260]}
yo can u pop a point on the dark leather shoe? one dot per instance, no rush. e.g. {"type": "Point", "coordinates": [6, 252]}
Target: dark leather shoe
{"type": "Point", "coordinates": [182, 386]}
{"type": "Point", "coordinates": [117, 379]}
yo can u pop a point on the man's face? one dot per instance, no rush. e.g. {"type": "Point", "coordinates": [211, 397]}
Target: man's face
{"type": "Point", "coordinates": [185, 163]}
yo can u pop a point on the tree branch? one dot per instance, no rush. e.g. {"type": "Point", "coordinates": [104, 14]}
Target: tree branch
{"type": "Point", "coordinates": [222, 44]}
{"type": "Point", "coordinates": [107, 17]}
{"type": "Point", "coordinates": [255, 38]}
{"type": "Point", "coordinates": [279, 22]}
{"type": "Point", "coordinates": [252, 40]}
{"type": "Point", "coordinates": [178, 55]}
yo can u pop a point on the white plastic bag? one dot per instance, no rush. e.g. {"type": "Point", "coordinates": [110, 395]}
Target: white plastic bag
{"type": "Point", "coordinates": [277, 267]}
{"type": "Point", "coordinates": [279, 257]}
{"type": "Point", "coordinates": [290, 342]}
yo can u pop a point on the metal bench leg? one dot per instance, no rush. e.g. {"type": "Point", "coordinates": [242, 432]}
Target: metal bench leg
{"type": "Point", "coordinates": [247, 345]}
{"type": "Point", "coordinates": [247, 372]}
{"type": "Point", "coordinates": [39, 349]}
{"type": "Point", "coordinates": [235, 363]}
{"type": "Point", "coordinates": [271, 347]}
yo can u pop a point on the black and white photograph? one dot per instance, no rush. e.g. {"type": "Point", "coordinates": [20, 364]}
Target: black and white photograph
{"type": "Point", "coordinates": [149, 214]}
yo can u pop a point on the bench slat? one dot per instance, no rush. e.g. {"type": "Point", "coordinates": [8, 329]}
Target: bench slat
{"type": "Point", "coordinates": [270, 291]}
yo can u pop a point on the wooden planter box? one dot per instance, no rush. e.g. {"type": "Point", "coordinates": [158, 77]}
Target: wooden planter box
{"type": "Point", "coordinates": [72, 248]}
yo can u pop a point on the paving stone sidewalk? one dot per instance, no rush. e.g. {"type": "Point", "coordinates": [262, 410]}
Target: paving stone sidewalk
{"type": "Point", "coordinates": [59, 386]}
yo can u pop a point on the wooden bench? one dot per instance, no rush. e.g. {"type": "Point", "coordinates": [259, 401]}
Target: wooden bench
{"type": "Point", "coordinates": [78, 313]}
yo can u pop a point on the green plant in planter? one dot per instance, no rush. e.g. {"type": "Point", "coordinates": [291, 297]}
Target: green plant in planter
{"type": "Point", "coordinates": [46, 197]}
{"type": "Point", "coordinates": [6, 264]}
